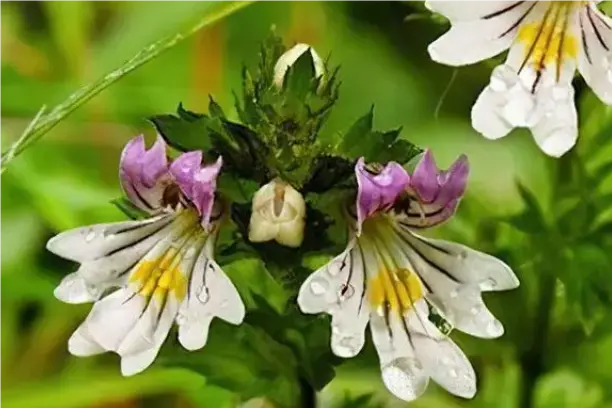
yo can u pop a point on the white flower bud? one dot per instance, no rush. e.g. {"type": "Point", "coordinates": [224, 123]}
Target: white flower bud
{"type": "Point", "coordinates": [288, 59]}
{"type": "Point", "coordinates": [278, 213]}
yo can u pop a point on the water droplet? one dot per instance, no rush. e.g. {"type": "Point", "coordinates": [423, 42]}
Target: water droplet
{"type": "Point", "coordinates": [318, 287]}
{"type": "Point", "coordinates": [445, 360]}
{"type": "Point", "coordinates": [404, 378]}
{"type": "Point", "coordinates": [90, 235]}
{"type": "Point", "coordinates": [474, 311]}
{"type": "Point", "coordinates": [453, 294]}
{"type": "Point", "coordinates": [203, 296]}
{"type": "Point", "coordinates": [334, 268]}
{"type": "Point", "coordinates": [181, 319]}
{"type": "Point", "coordinates": [224, 304]}
{"type": "Point", "coordinates": [452, 372]}
{"type": "Point", "coordinates": [346, 291]}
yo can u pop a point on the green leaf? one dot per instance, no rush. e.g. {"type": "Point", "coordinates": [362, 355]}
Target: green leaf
{"type": "Point", "coordinates": [44, 122]}
{"type": "Point", "coordinates": [129, 209]}
{"type": "Point", "coordinates": [328, 172]}
{"type": "Point", "coordinates": [531, 219]}
{"type": "Point", "coordinates": [214, 109]}
{"type": "Point", "coordinates": [353, 142]}
{"type": "Point", "coordinates": [300, 77]}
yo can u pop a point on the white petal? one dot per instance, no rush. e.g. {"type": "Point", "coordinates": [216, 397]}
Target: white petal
{"type": "Point", "coordinates": [82, 345]}
{"type": "Point", "coordinates": [112, 318]}
{"type": "Point", "coordinates": [142, 344]}
{"type": "Point", "coordinates": [463, 263]}
{"type": "Point", "coordinates": [557, 130]}
{"type": "Point", "coordinates": [74, 289]}
{"type": "Point", "coordinates": [594, 60]}
{"type": "Point", "coordinates": [291, 233]}
{"type": "Point", "coordinates": [288, 59]}
{"type": "Point", "coordinates": [211, 294]}
{"type": "Point", "coordinates": [446, 364]}
{"type": "Point", "coordinates": [470, 41]}
{"type": "Point", "coordinates": [466, 311]}
{"type": "Point", "coordinates": [108, 269]}
{"type": "Point", "coordinates": [338, 289]}
{"type": "Point", "coordinates": [467, 10]}
{"type": "Point", "coordinates": [260, 229]}
{"type": "Point", "coordinates": [401, 371]}
{"type": "Point", "coordinates": [95, 241]}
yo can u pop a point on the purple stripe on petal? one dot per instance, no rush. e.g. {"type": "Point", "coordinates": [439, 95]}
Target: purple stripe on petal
{"type": "Point", "coordinates": [378, 191]}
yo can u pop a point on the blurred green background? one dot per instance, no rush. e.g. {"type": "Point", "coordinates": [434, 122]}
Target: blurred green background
{"type": "Point", "coordinates": [554, 230]}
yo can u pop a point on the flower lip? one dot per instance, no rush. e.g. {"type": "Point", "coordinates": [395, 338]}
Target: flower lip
{"type": "Point", "coordinates": [377, 191]}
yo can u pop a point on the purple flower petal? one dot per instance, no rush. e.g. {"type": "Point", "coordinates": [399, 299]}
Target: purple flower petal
{"type": "Point", "coordinates": [435, 193]}
{"type": "Point", "coordinates": [197, 183]}
{"type": "Point", "coordinates": [425, 177]}
{"type": "Point", "coordinates": [183, 169]}
{"type": "Point", "coordinates": [140, 172]}
{"type": "Point", "coordinates": [378, 191]}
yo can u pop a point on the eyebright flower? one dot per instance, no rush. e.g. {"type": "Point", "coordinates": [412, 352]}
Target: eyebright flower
{"type": "Point", "coordinates": [288, 59]}
{"type": "Point", "coordinates": [145, 275]}
{"type": "Point", "coordinates": [278, 213]}
{"type": "Point", "coordinates": [547, 41]}
{"type": "Point", "coordinates": [391, 277]}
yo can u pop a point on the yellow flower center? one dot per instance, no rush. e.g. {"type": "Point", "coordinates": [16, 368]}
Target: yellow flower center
{"type": "Point", "coordinates": [398, 289]}
{"type": "Point", "coordinates": [160, 276]}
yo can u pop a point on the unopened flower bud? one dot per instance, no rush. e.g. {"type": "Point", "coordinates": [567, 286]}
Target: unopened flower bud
{"type": "Point", "coordinates": [278, 213]}
{"type": "Point", "coordinates": [288, 59]}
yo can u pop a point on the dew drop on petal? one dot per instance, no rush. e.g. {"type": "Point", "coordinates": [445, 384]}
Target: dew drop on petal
{"type": "Point", "coordinates": [474, 311]}
{"type": "Point", "coordinates": [318, 287]}
{"type": "Point", "coordinates": [181, 319]}
{"type": "Point", "coordinates": [452, 372]}
{"type": "Point", "coordinates": [203, 296]}
{"type": "Point", "coordinates": [90, 235]}
{"type": "Point", "coordinates": [453, 294]}
{"type": "Point", "coordinates": [404, 378]}
{"type": "Point", "coordinates": [224, 304]}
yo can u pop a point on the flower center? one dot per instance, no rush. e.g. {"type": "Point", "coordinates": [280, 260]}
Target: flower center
{"type": "Point", "coordinates": [161, 272]}
{"type": "Point", "coordinates": [394, 285]}
{"type": "Point", "coordinates": [549, 42]}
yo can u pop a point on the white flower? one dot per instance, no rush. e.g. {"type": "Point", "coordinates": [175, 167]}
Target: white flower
{"type": "Point", "coordinates": [389, 277]}
{"type": "Point", "coordinates": [278, 213]}
{"type": "Point", "coordinates": [288, 59]}
{"type": "Point", "coordinates": [548, 40]}
{"type": "Point", "coordinates": [145, 275]}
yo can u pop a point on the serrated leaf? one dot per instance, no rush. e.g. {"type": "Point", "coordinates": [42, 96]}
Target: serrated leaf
{"type": "Point", "coordinates": [354, 139]}
{"type": "Point", "coordinates": [214, 109]}
{"type": "Point", "coordinates": [184, 135]}
{"type": "Point", "coordinates": [400, 151]}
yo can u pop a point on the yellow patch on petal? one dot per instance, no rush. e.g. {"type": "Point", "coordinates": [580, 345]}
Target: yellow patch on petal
{"type": "Point", "coordinates": [398, 289]}
{"type": "Point", "coordinates": [548, 44]}
{"type": "Point", "coordinates": [160, 276]}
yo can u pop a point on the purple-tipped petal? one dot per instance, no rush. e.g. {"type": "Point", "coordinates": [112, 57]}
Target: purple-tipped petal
{"type": "Point", "coordinates": [140, 172]}
{"type": "Point", "coordinates": [197, 183]}
{"type": "Point", "coordinates": [203, 189]}
{"type": "Point", "coordinates": [435, 193]}
{"type": "Point", "coordinates": [154, 163]}
{"type": "Point", "coordinates": [425, 178]}
{"type": "Point", "coordinates": [184, 168]}
{"type": "Point", "coordinates": [378, 191]}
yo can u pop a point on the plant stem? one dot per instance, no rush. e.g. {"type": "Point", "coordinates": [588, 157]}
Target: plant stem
{"type": "Point", "coordinates": [532, 361]}
{"type": "Point", "coordinates": [308, 395]}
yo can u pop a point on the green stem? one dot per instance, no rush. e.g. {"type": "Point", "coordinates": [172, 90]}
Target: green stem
{"type": "Point", "coordinates": [44, 122]}
{"type": "Point", "coordinates": [532, 361]}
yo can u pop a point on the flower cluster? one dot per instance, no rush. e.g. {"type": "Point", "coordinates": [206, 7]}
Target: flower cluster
{"type": "Point", "coordinates": [548, 40]}
{"type": "Point", "coordinates": [142, 276]}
